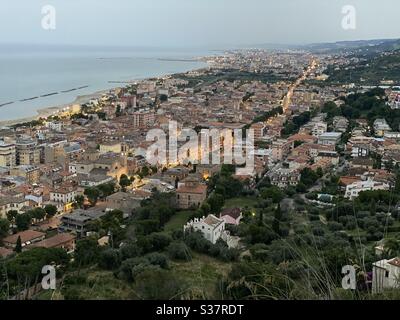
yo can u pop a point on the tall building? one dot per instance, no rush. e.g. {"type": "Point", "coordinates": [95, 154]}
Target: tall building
{"type": "Point", "coordinates": [143, 119]}
{"type": "Point", "coordinates": [27, 152]}
{"type": "Point", "coordinates": [7, 154]}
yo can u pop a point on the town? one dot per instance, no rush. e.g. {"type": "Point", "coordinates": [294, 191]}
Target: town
{"type": "Point", "coordinates": [78, 190]}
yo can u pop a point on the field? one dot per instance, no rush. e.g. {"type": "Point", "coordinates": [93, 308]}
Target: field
{"type": "Point", "coordinates": [202, 275]}
{"type": "Point", "coordinates": [242, 202]}
{"type": "Point", "coordinates": [177, 221]}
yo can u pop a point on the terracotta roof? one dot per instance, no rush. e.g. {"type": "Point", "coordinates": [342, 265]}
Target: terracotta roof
{"type": "Point", "coordinates": [302, 137]}
{"type": "Point", "coordinates": [212, 220]}
{"type": "Point", "coordinates": [55, 241]}
{"type": "Point", "coordinates": [345, 180]}
{"type": "Point", "coordinates": [232, 212]}
{"type": "Point", "coordinates": [200, 189]}
{"type": "Point", "coordinates": [27, 235]}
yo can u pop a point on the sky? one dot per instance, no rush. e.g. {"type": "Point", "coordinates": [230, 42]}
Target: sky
{"type": "Point", "coordinates": [196, 23]}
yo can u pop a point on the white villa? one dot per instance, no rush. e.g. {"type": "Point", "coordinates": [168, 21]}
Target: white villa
{"type": "Point", "coordinates": [353, 189]}
{"type": "Point", "coordinates": [212, 228]}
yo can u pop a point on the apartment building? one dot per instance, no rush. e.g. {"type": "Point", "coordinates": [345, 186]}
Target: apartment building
{"type": "Point", "coordinates": [284, 177]}
{"type": "Point", "coordinates": [142, 119]}
{"type": "Point", "coordinates": [27, 152]}
{"type": "Point", "coordinates": [280, 149]}
{"type": "Point", "coordinates": [7, 154]}
{"type": "Point", "coordinates": [381, 127]}
{"type": "Point", "coordinates": [8, 203]}
{"type": "Point", "coordinates": [30, 173]}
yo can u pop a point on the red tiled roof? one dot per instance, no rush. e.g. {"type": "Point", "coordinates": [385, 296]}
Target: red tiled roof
{"type": "Point", "coordinates": [55, 241]}
{"type": "Point", "coordinates": [27, 235]}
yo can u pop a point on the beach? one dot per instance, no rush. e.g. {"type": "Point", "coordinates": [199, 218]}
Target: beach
{"type": "Point", "coordinates": [49, 111]}
{"type": "Point", "coordinates": [34, 85]}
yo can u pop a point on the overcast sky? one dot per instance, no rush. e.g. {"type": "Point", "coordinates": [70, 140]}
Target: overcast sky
{"type": "Point", "coordinates": [191, 23]}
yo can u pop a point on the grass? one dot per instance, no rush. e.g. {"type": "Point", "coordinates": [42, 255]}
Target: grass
{"type": "Point", "coordinates": [241, 202]}
{"type": "Point", "coordinates": [202, 274]}
{"type": "Point", "coordinates": [177, 221]}
{"type": "Point", "coordinates": [99, 285]}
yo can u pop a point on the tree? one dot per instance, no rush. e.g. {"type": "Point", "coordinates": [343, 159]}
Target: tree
{"type": "Point", "coordinates": [50, 210]}
{"type": "Point", "coordinates": [86, 252]}
{"type": "Point", "coordinates": [124, 182]}
{"type": "Point", "coordinates": [4, 227]}
{"type": "Point", "coordinates": [79, 201]}
{"type": "Point", "coordinates": [392, 247]}
{"type": "Point", "coordinates": [216, 202]}
{"type": "Point", "coordinates": [110, 259]}
{"type": "Point", "coordinates": [372, 207]}
{"type": "Point", "coordinates": [308, 177]}
{"type": "Point", "coordinates": [93, 195]}
{"type": "Point", "coordinates": [38, 214]}
{"type": "Point", "coordinates": [11, 215]}
{"type": "Point", "coordinates": [273, 193]}
{"type": "Point", "coordinates": [397, 185]}
{"type": "Point", "coordinates": [106, 189]}
{"type": "Point", "coordinates": [18, 245]}
{"type": "Point", "coordinates": [23, 221]}
{"type": "Point", "coordinates": [179, 251]}
{"type": "Point", "coordinates": [277, 220]}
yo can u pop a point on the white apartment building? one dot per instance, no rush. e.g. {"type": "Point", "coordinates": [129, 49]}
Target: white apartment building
{"type": "Point", "coordinates": [11, 204]}
{"type": "Point", "coordinates": [319, 128]}
{"type": "Point", "coordinates": [63, 195]}
{"type": "Point", "coordinates": [329, 138]}
{"type": "Point", "coordinates": [386, 275]}
{"type": "Point", "coordinates": [354, 189]}
{"type": "Point", "coordinates": [360, 150]}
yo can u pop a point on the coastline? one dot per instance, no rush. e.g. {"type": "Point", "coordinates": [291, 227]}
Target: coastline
{"type": "Point", "coordinates": [52, 110]}
{"type": "Point", "coordinates": [81, 99]}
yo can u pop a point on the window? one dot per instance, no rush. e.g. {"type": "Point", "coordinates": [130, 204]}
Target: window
{"type": "Point", "coordinates": [386, 274]}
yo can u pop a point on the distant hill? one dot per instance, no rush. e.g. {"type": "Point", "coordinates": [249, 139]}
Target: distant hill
{"type": "Point", "coordinates": [373, 68]}
{"type": "Point", "coordinates": [378, 45]}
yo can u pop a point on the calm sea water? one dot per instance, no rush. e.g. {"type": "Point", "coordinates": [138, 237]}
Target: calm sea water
{"type": "Point", "coordinates": [27, 72]}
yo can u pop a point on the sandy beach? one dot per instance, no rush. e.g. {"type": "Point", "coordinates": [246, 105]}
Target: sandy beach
{"type": "Point", "coordinates": [49, 111]}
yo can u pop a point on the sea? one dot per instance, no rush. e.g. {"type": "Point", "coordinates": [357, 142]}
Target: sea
{"type": "Point", "coordinates": [34, 77]}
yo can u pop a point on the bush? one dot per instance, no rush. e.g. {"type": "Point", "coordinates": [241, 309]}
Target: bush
{"type": "Point", "coordinates": [110, 259]}
{"type": "Point", "coordinates": [130, 250]}
{"type": "Point", "coordinates": [154, 242]}
{"type": "Point", "coordinates": [179, 251]}
{"type": "Point", "coordinates": [127, 267]}
{"type": "Point", "coordinates": [157, 259]}
{"type": "Point", "coordinates": [335, 226]}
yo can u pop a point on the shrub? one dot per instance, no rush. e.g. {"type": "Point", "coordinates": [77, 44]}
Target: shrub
{"type": "Point", "coordinates": [179, 251]}
{"type": "Point", "coordinates": [110, 259]}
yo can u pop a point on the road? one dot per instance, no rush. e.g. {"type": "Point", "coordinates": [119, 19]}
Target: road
{"type": "Point", "coordinates": [287, 100]}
